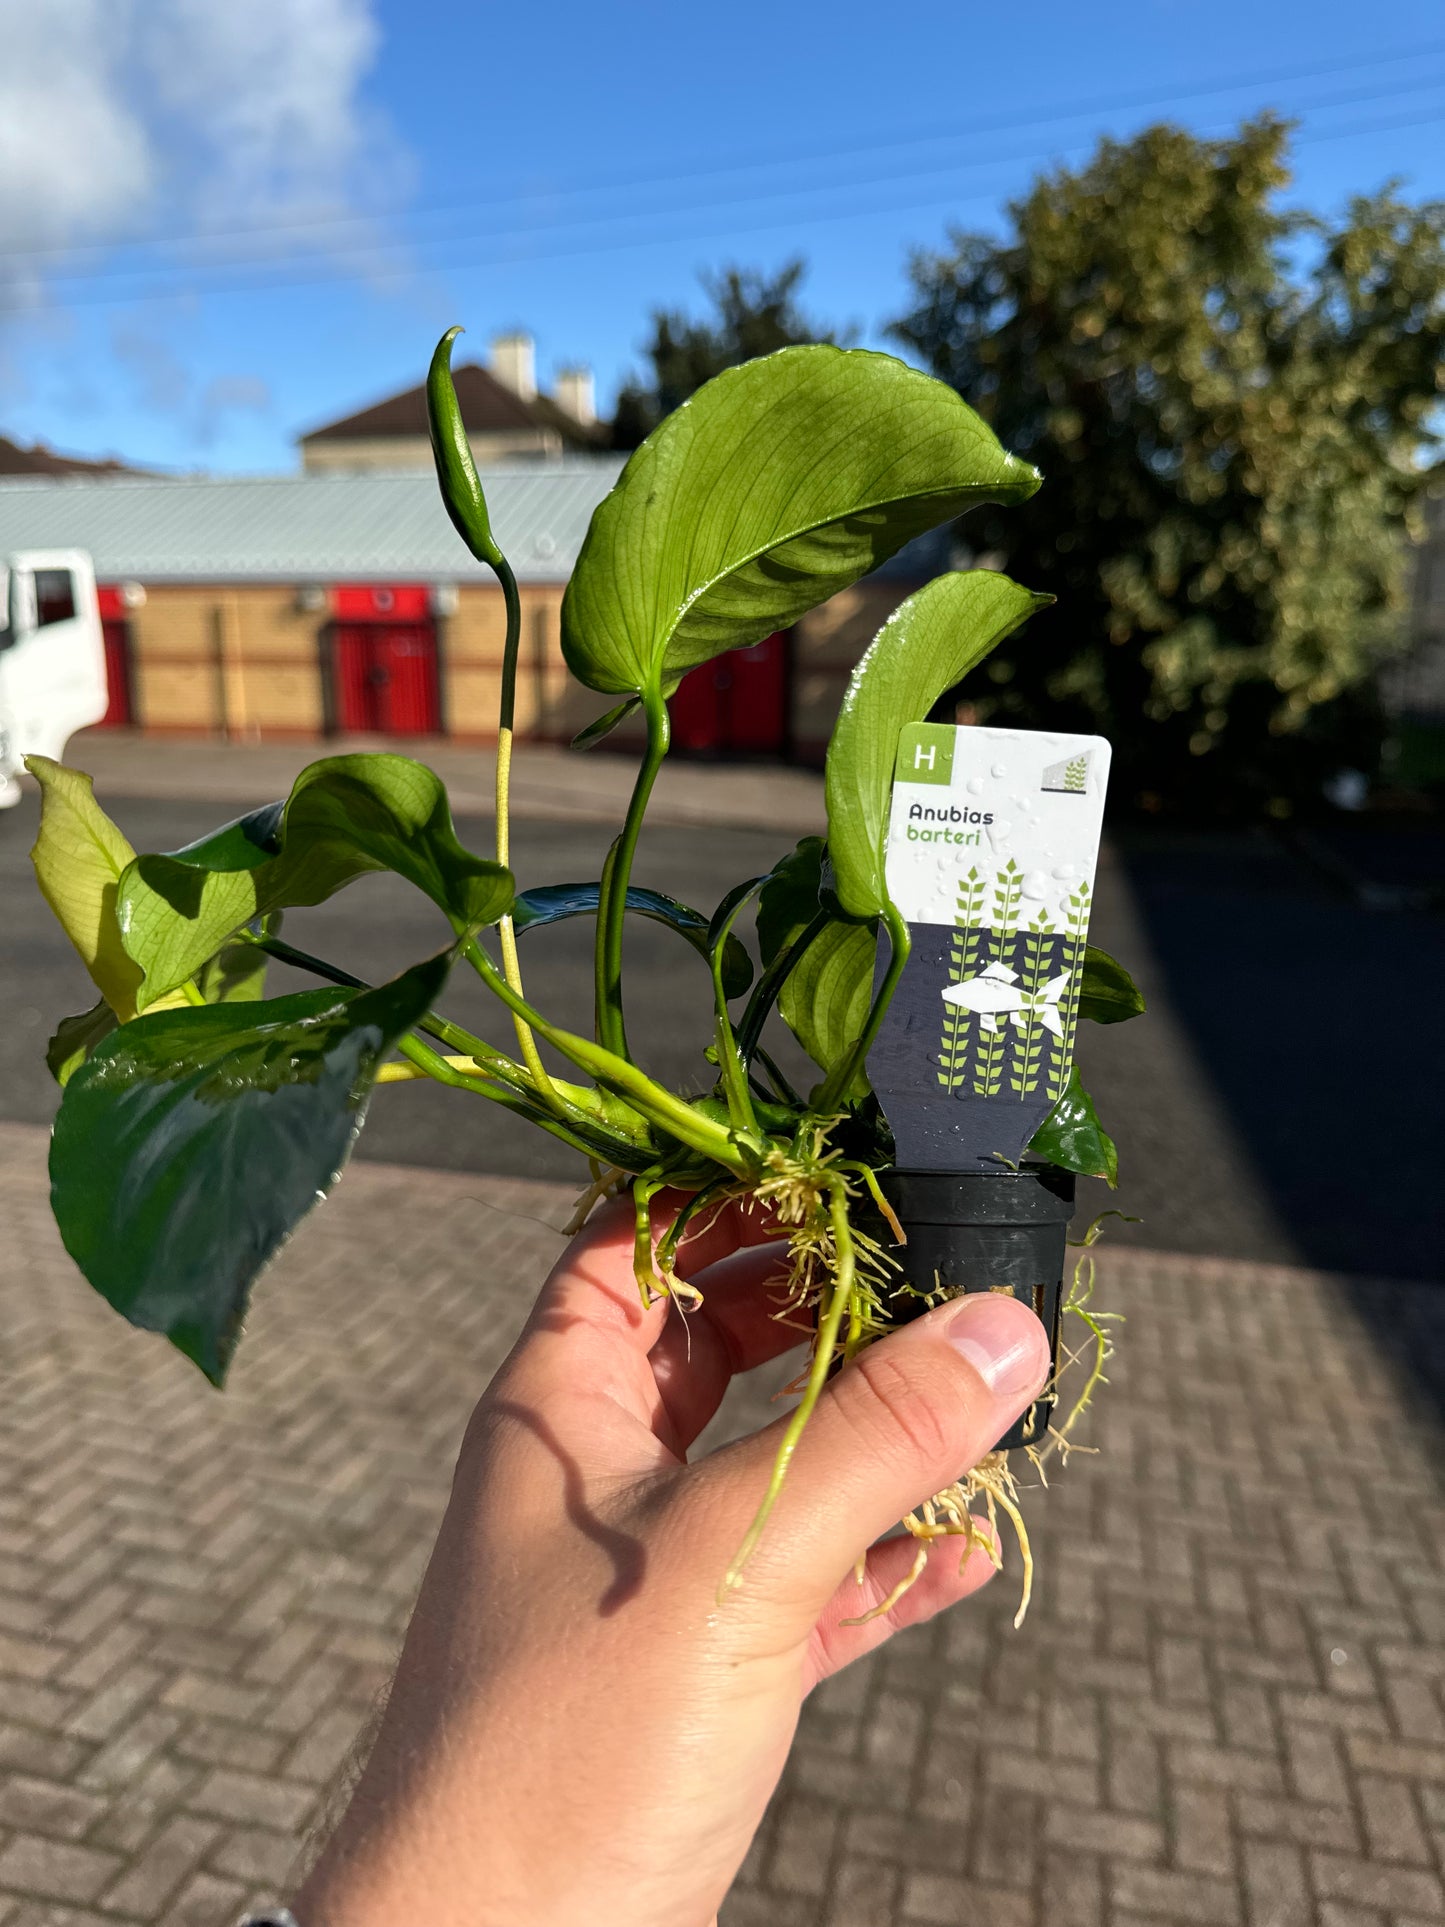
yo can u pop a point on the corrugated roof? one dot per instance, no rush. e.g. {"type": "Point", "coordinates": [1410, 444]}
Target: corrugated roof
{"type": "Point", "coordinates": [326, 528]}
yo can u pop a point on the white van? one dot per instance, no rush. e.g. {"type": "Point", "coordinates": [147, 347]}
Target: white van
{"type": "Point", "coordinates": [52, 658]}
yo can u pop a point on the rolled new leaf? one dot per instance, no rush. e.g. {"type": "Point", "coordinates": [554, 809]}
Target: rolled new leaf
{"type": "Point", "coordinates": [194, 1141]}
{"type": "Point", "coordinates": [776, 485]}
{"type": "Point", "coordinates": [457, 476]}
{"type": "Point", "coordinates": [346, 816]}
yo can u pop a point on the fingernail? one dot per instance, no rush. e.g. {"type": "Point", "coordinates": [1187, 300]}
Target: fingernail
{"type": "Point", "coordinates": [1003, 1341]}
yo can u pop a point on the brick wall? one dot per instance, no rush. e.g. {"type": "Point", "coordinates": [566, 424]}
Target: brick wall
{"type": "Point", "coordinates": [248, 661]}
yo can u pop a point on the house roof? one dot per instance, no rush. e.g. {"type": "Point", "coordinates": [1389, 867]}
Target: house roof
{"type": "Point", "coordinates": [488, 407]}
{"type": "Point", "coordinates": [40, 460]}
{"type": "Point", "coordinates": [371, 527]}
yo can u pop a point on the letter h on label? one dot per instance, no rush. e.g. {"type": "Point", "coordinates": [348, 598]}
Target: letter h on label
{"type": "Point", "coordinates": [919, 754]}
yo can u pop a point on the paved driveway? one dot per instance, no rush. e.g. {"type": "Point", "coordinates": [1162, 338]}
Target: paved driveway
{"type": "Point", "coordinates": [1278, 1104]}
{"type": "Point", "coordinates": [1225, 1707]}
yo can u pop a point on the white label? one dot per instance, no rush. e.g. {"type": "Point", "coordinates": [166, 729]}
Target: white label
{"type": "Point", "coordinates": [1020, 809]}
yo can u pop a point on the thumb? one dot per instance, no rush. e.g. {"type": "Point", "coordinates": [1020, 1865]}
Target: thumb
{"type": "Point", "coordinates": [906, 1418]}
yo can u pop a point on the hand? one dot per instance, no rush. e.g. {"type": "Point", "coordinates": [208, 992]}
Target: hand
{"type": "Point", "coordinates": [579, 1732]}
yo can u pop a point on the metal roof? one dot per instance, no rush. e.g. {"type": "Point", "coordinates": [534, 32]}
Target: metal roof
{"type": "Point", "coordinates": [299, 528]}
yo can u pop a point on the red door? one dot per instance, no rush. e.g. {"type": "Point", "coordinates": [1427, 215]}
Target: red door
{"type": "Point", "coordinates": [735, 705]}
{"type": "Point", "coordinates": [384, 652]}
{"type": "Point", "coordinates": [115, 626]}
{"type": "Point", "coordinates": [386, 678]}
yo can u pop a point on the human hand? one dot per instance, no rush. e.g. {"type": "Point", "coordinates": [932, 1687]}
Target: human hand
{"type": "Point", "coordinates": [580, 1731]}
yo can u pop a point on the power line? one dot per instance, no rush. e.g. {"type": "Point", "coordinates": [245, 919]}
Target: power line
{"type": "Point", "coordinates": [621, 244]}
{"type": "Point", "coordinates": [223, 276]}
{"type": "Point", "coordinates": [1101, 104]}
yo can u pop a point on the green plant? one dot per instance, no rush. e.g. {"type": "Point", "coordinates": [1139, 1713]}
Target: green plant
{"type": "Point", "coordinates": [1237, 405]}
{"type": "Point", "coordinates": [202, 1120]}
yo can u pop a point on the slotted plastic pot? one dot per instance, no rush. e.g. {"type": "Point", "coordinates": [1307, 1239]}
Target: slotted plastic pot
{"type": "Point", "coordinates": [980, 1231]}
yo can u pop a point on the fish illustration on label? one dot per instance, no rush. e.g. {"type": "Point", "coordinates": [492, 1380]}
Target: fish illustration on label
{"type": "Point", "coordinates": [993, 839]}
{"type": "Point", "coordinates": [997, 993]}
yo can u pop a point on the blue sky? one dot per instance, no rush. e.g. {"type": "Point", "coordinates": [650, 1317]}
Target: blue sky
{"type": "Point", "coordinates": [219, 227]}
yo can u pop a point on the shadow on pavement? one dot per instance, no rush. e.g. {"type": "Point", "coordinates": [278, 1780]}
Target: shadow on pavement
{"type": "Point", "coordinates": [1322, 1027]}
{"type": "Point", "coordinates": [1320, 1022]}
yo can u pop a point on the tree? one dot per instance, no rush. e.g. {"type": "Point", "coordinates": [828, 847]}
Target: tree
{"type": "Point", "coordinates": [1231, 405]}
{"type": "Point", "coordinates": [754, 313]}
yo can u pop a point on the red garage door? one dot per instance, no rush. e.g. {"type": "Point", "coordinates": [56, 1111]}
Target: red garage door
{"type": "Point", "coordinates": [735, 705]}
{"type": "Point", "coordinates": [115, 624]}
{"type": "Point", "coordinates": [384, 659]}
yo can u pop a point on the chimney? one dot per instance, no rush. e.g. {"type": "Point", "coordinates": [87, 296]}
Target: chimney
{"type": "Point", "coordinates": [514, 363]}
{"type": "Point", "coordinates": [574, 392]}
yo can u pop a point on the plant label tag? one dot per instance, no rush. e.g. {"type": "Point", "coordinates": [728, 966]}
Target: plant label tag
{"type": "Point", "coordinates": [993, 840]}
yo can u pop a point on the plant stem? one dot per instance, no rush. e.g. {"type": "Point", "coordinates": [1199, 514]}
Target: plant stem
{"type": "Point", "coordinates": [826, 1343]}
{"type": "Point", "coordinates": [840, 1078]}
{"type": "Point", "coordinates": [784, 1089]}
{"type": "Point", "coordinates": [617, 874]}
{"type": "Point", "coordinates": [656, 1104]}
{"type": "Point", "coordinates": [495, 1062]}
{"type": "Point", "coordinates": [731, 1067]}
{"type": "Point", "coordinates": [425, 1062]}
{"type": "Point", "coordinates": [506, 726]}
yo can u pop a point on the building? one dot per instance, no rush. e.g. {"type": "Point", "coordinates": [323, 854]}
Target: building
{"type": "Point", "coordinates": [506, 417]}
{"type": "Point", "coordinates": [38, 459]}
{"type": "Point", "coordinates": [320, 604]}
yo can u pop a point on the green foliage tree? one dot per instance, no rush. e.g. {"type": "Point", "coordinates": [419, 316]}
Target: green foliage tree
{"type": "Point", "coordinates": [1232, 403]}
{"type": "Point", "coordinates": [753, 313]}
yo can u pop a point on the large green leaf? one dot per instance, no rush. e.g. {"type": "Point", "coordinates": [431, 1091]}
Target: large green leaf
{"type": "Point", "coordinates": [235, 975]}
{"type": "Point", "coordinates": [555, 902]}
{"type": "Point", "coordinates": [1108, 994]}
{"type": "Point", "coordinates": [776, 485]}
{"type": "Point", "coordinates": [194, 1141]}
{"type": "Point", "coordinates": [79, 857]}
{"type": "Point", "coordinates": [1072, 1136]}
{"type": "Point", "coordinates": [826, 999]}
{"type": "Point", "coordinates": [346, 816]}
{"type": "Point", "coordinates": [929, 643]}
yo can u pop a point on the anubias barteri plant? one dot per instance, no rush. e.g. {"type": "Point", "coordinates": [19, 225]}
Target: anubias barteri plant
{"type": "Point", "coordinates": [202, 1120]}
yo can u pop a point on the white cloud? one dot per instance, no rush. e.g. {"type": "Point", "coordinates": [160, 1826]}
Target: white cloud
{"type": "Point", "coordinates": [125, 118]}
{"type": "Point", "coordinates": [74, 158]}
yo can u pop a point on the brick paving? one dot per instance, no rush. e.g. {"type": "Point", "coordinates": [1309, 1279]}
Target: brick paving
{"type": "Point", "coordinates": [1227, 1706]}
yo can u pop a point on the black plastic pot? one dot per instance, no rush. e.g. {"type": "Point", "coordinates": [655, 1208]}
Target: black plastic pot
{"type": "Point", "coordinates": [979, 1231]}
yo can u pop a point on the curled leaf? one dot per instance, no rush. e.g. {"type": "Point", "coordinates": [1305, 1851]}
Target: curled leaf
{"type": "Point", "coordinates": [346, 816]}
{"type": "Point", "coordinates": [79, 856]}
{"type": "Point", "coordinates": [928, 644]}
{"type": "Point", "coordinates": [1108, 994]}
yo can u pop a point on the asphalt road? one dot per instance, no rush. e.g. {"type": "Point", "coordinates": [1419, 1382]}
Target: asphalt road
{"type": "Point", "coordinates": [1281, 1102]}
